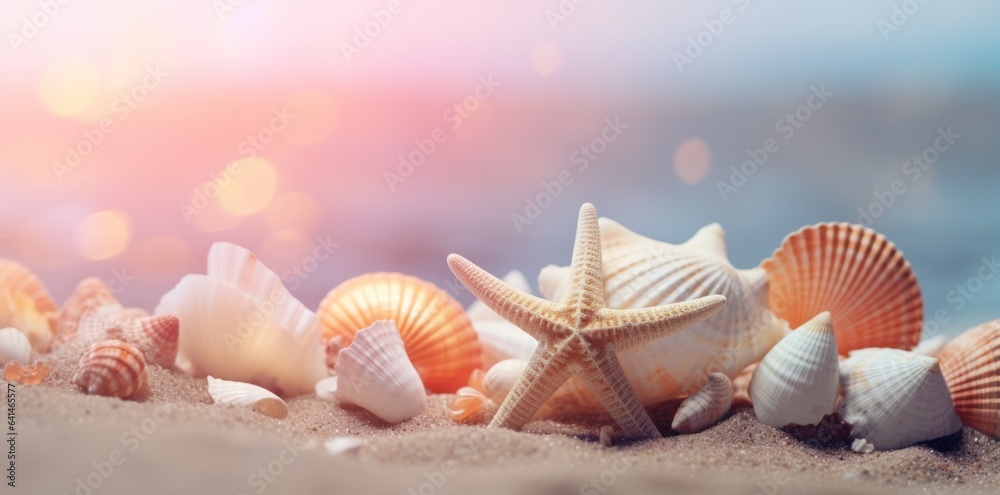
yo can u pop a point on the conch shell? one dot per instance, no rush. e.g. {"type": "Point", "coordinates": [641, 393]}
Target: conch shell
{"type": "Point", "coordinates": [113, 369]}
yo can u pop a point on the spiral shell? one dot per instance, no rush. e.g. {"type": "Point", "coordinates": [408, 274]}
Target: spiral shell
{"type": "Point", "coordinates": [248, 395]}
{"type": "Point", "coordinates": [971, 366]}
{"type": "Point", "coordinates": [113, 369]}
{"type": "Point", "coordinates": [25, 304]}
{"type": "Point", "coordinates": [438, 336]}
{"type": "Point", "coordinates": [705, 407]}
{"type": "Point", "coordinates": [857, 275]}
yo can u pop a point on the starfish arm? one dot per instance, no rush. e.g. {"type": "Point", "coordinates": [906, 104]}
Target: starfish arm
{"type": "Point", "coordinates": [586, 285]}
{"type": "Point", "coordinates": [519, 308]}
{"type": "Point", "coordinates": [625, 328]}
{"type": "Point", "coordinates": [547, 370]}
{"type": "Point", "coordinates": [606, 379]}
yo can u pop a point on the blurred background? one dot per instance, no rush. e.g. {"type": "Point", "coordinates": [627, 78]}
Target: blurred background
{"type": "Point", "coordinates": [342, 138]}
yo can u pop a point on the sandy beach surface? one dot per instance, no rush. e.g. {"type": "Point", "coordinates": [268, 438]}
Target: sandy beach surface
{"type": "Point", "coordinates": [174, 440]}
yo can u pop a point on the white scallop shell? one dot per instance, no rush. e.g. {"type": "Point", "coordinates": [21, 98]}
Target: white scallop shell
{"type": "Point", "coordinates": [642, 272]}
{"type": "Point", "coordinates": [895, 398]}
{"type": "Point", "coordinates": [247, 395]}
{"type": "Point", "coordinates": [499, 338]}
{"type": "Point", "coordinates": [14, 346]}
{"type": "Point", "coordinates": [240, 323]}
{"type": "Point", "coordinates": [796, 382]}
{"type": "Point", "coordinates": [375, 373]}
{"type": "Point", "coordinates": [705, 407]}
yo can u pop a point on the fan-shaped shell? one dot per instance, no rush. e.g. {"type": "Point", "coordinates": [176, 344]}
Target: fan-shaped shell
{"type": "Point", "coordinates": [705, 407]}
{"type": "Point", "coordinates": [113, 369]}
{"type": "Point", "coordinates": [25, 304]}
{"type": "Point", "coordinates": [971, 366]}
{"type": "Point", "coordinates": [439, 337]}
{"type": "Point", "coordinates": [240, 323]}
{"type": "Point", "coordinates": [375, 373]}
{"type": "Point", "coordinates": [248, 395]}
{"type": "Point", "coordinates": [14, 346]}
{"type": "Point", "coordinates": [796, 382]}
{"type": "Point", "coordinates": [857, 275]}
{"type": "Point", "coordinates": [642, 272]}
{"type": "Point", "coordinates": [895, 398]}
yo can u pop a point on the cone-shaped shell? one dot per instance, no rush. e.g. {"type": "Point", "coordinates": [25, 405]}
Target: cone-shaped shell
{"type": "Point", "coordinates": [113, 369]}
{"type": "Point", "coordinates": [705, 407]}
{"type": "Point", "coordinates": [971, 366]}
{"type": "Point", "coordinates": [25, 304]}
{"type": "Point", "coordinates": [642, 272]}
{"type": "Point", "coordinates": [14, 346]}
{"type": "Point", "coordinates": [240, 323]}
{"type": "Point", "coordinates": [247, 395]}
{"type": "Point", "coordinates": [857, 275]}
{"type": "Point", "coordinates": [438, 336]}
{"type": "Point", "coordinates": [895, 398]}
{"type": "Point", "coordinates": [375, 373]}
{"type": "Point", "coordinates": [796, 382]}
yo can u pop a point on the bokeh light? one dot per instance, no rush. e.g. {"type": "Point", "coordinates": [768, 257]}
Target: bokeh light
{"type": "Point", "coordinates": [251, 190]}
{"type": "Point", "coordinates": [546, 58]}
{"type": "Point", "coordinates": [103, 235]}
{"type": "Point", "coordinates": [69, 86]}
{"type": "Point", "coordinates": [162, 256]}
{"type": "Point", "coordinates": [692, 161]}
{"type": "Point", "coordinates": [295, 211]}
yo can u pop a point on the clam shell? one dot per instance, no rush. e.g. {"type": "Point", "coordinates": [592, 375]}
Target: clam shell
{"type": "Point", "coordinates": [642, 272]}
{"type": "Point", "coordinates": [247, 395]}
{"type": "Point", "coordinates": [971, 366]}
{"type": "Point", "coordinates": [895, 398]}
{"type": "Point", "coordinates": [705, 407]}
{"type": "Point", "coordinates": [499, 338]}
{"type": "Point", "coordinates": [796, 382]}
{"type": "Point", "coordinates": [438, 336]}
{"type": "Point", "coordinates": [857, 275]}
{"type": "Point", "coordinates": [14, 346]}
{"type": "Point", "coordinates": [375, 373]}
{"type": "Point", "coordinates": [113, 369]}
{"type": "Point", "coordinates": [25, 304]}
{"type": "Point", "coordinates": [241, 324]}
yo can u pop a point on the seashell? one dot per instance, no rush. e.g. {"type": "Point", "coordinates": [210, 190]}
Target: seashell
{"type": "Point", "coordinates": [113, 369]}
{"type": "Point", "coordinates": [605, 435]}
{"type": "Point", "coordinates": [857, 275]}
{"type": "Point", "coordinates": [375, 373]}
{"type": "Point", "coordinates": [499, 338]}
{"type": "Point", "coordinates": [326, 388]}
{"type": "Point", "coordinates": [741, 386]}
{"type": "Point", "coordinates": [344, 445]}
{"type": "Point", "coordinates": [14, 346]}
{"type": "Point", "coordinates": [25, 304]}
{"type": "Point", "coordinates": [240, 323]}
{"type": "Point", "coordinates": [90, 296]}
{"type": "Point", "coordinates": [971, 366]}
{"type": "Point", "coordinates": [250, 396]}
{"type": "Point", "coordinates": [705, 407]}
{"type": "Point", "coordinates": [468, 402]}
{"type": "Point", "coordinates": [439, 338]}
{"type": "Point", "coordinates": [895, 398]}
{"type": "Point", "coordinates": [932, 346]}
{"type": "Point", "coordinates": [566, 401]}
{"type": "Point", "coordinates": [642, 272]}
{"type": "Point", "coordinates": [796, 382]}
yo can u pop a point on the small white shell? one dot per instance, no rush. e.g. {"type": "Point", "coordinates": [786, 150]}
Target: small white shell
{"type": "Point", "coordinates": [705, 407]}
{"type": "Point", "coordinates": [499, 338]}
{"type": "Point", "coordinates": [896, 398]}
{"type": "Point", "coordinates": [14, 346]}
{"type": "Point", "coordinates": [796, 382]}
{"type": "Point", "coordinates": [375, 373]}
{"type": "Point", "coordinates": [327, 388]}
{"type": "Point", "coordinates": [247, 395]}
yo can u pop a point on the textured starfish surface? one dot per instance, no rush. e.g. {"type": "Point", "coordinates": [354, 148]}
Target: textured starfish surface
{"type": "Point", "coordinates": [579, 335]}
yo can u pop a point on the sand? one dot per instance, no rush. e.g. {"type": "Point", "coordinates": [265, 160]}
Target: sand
{"type": "Point", "coordinates": [174, 440]}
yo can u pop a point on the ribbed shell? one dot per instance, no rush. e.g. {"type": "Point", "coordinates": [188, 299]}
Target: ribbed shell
{"type": "Point", "coordinates": [248, 395]}
{"type": "Point", "coordinates": [375, 373]}
{"type": "Point", "coordinates": [705, 407]}
{"type": "Point", "coordinates": [857, 275]}
{"type": "Point", "coordinates": [25, 304]}
{"type": "Point", "coordinates": [15, 277]}
{"type": "Point", "coordinates": [14, 346]}
{"type": "Point", "coordinates": [113, 369]}
{"type": "Point", "coordinates": [438, 336]}
{"type": "Point", "coordinates": [796, 382]}
{"type": "Point", "coordinates": [895, 398]}
{"type": "Point", "coordinates": [971, 366]}
{"type": "Point", "coordinates": [642, 272]}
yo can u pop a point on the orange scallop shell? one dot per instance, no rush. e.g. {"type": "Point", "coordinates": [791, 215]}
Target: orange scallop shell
{"type": "Point", "coordinates": [438, 336]}
{"type": "Point", "coordinates": [857, 275]}
{"type": "Point", "coordinates": [971, 366]}
{"type": "Point", "coordinates": [113, 369]}
{"type": "Point", "coordinates": [15, 277]}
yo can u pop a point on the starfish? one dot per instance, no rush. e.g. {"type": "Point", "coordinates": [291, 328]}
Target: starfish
{"type": "Point", "coordinates": [579, 335]}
